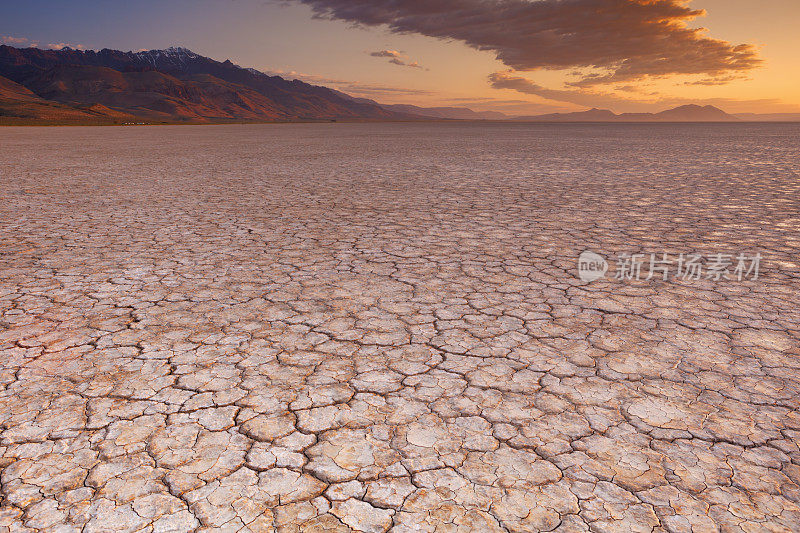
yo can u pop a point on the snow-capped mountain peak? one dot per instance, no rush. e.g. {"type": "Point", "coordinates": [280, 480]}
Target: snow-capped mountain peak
{"type": "Point", "coordinates": [173, 54]}
{"type": "Point", "coordinates": [179, 51]}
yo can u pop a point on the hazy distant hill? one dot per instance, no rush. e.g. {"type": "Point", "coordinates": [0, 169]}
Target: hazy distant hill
{"type": "Point", "coordinates": [159, 85]}
{"type": "Point", "coordinates": [685, 113]}
{"type": "Point", "coordinates": [692, 113]}
{"type": "Point", "coordinates": [455, 113]}
{"type": "Point", "coordinates": [769, 117]}
{"type": "Point", "coordinates": [446, 113]}
{"type": "Point", "coordinates": [593, 115]}
{"type": "Point", "coordinates": [19, 101]}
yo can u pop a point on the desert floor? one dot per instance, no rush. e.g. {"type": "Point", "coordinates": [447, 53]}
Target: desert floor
{"type": "Point", "coordinates": [361, 327]}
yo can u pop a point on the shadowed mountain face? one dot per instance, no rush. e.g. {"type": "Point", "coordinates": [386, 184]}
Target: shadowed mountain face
{"type": "Point", "coordinates": [163, 85]}
{"type": "Point", "coordinates": [17, 101]}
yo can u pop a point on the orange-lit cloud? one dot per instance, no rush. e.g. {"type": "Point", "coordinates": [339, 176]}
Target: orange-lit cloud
{"type": "Point", "coordinates": [24, 41]}
{"type": "Point", "coordinates": [17, 41]}
{"type": "Point", "coordinates": [387, 53]}
{"type": "Point", "coordinates": [396, 58]}
{"type": "Point", "coordinates": [8, 39]}
{"type": "Point", "coordinates": [624, 40]}
{"type": "Point", "coordinates": [60, 46]}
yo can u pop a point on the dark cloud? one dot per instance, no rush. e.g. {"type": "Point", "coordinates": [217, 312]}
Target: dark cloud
{"type": "Point", "coordinates": [624, 39]}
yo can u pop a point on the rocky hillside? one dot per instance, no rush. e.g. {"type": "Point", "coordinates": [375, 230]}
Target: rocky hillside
{"type": "Point", "coordinates": [173, 85]}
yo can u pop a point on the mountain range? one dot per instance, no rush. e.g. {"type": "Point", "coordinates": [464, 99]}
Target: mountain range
{"type": "Point", "coordinates": [172, 85]}
{"type": "Point", "coordinates": [448, 113]}
{"type": "Point", "coordinates": [684, 113]}
{"type": "Point", "coordinates": [177, 85]}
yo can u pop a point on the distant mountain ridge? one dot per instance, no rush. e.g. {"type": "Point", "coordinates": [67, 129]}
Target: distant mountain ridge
{"type": "Point", "coordinates": [177, 85]}
{"type": "Point", "coordinates": [684, 113]}
{"type": "Point", "coordinates": [450, 113]}
{"type": "Point", "coordinates": [444, 113]}
{"type": "Point", "coordinates": [769, 117]}
{"type": "Point", "coordinates": [170, 85]}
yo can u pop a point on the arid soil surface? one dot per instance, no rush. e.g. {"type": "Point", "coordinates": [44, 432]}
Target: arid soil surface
{"type": "Point", "coordinates": [366, 327]}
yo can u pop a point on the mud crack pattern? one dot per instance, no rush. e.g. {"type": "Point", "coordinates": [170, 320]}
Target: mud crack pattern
{"type": "Point", "coordinates": [360, 327]}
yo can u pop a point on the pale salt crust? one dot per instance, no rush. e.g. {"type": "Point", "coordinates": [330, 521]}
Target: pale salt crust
{"type": "Point", "coordinates": [380, 327]}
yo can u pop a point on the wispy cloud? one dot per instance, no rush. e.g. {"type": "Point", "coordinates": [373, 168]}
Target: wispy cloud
{"type": "Point", "coordinates": [719, 80]}
{"type": "Point", "coordinates": [376, 91]}
{"type": "Point", "coordinates": [355, 88]}
{"type": "Point", "coordinates": [387, 53]}
{"type": "Point", "coordinates": [578, 96]}
{"type": "Point", "coordinates": [24, 41]}
{"type": "Point", "coordinates": [594, 98]}
{"type": "Point", "coordinates": [17, 41]}
{"type": "Point", "coordinates": [396, 58]}
{"type": "Point", "coordinates": [61, 46]}
{"type": "Point", "coordinates": [8, 39]}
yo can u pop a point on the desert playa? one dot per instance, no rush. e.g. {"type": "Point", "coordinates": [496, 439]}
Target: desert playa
{"type": "Point", "coordinates": [374, 327]}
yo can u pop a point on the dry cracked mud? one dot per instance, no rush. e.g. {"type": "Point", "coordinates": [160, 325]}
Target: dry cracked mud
{"type": "Point", "coordinates": [362, 327]}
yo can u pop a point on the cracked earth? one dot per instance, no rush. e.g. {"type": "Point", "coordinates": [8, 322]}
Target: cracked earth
{"type": "Point", "coordinates": [355, 327]}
